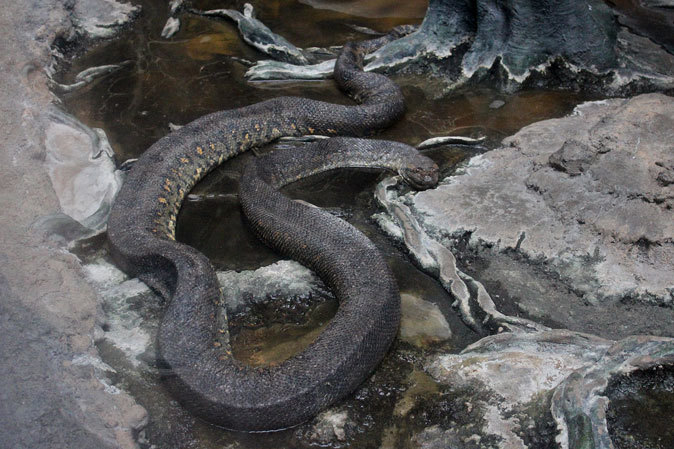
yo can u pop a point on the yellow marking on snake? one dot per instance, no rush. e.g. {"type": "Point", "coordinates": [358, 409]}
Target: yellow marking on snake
{"type": "Point", "coordinates": [162, 200]}
{"type": "Point", "coordinates": [184, 160]}
{"type": "Point", "coordinates": [200, 150]}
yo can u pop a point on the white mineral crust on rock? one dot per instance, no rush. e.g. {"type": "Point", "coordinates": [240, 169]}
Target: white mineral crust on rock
{"type": "Point", "coordinates": [102, 18]}
{"type": "Point", "coordinates": [589, 195]}
{"type": "Point", "coordinates": [82, 171]}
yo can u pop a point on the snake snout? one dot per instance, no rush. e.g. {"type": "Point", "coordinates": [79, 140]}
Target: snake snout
{"type": "Point", "coordinates": [421, 175]}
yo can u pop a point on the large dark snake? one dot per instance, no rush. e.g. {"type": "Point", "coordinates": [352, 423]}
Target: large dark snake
{"type": "Point", "coordinates": [204, 377]}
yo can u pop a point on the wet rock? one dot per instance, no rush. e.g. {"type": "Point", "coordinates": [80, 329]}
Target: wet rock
{"type": "Point", "coordinates": [171, 27]}
{"type": "Point", "coordinates": [87, 76]}
{"type": "Point", "coordinates": [422, 322]}
{"type": "Point", "coordinates": [450, 140]}
{"type": "Point", "coordinates": [102, 18]}
{"type": "Point", "coordinates": [518, 44]}
{"type": "Point", "coordinates": [122, 323]}
{"type": "Point", "coordinates": [62, 229]}
{"type": "Point", "coordinates": [515, 374]}
{"type": "Point", "coordinates": [580, 403]}
{"type": "Point", "coordinates": [515, 45]}
{"type": "Point", "coordinates": [257, 34]}
{"type": "Point", "coordinates": [285, 278]}
{"type": "Point", "coordinates": [573, 157]}
{"type": "Point", "coordinates": [82, 170]}
{"type": "Point", "coordinates": [55, 390]}
{"type": "Point", "coordinates": [496, 104]}
{"type": "Point", "coordinates": [130, 310]}
{"type": "Point", "coordinates": [329, 426]}
{"type": "Point", "coordinates": [586, 195]}
{"type": "Point", "coordinates": [649, 18]}
{"type": "Point", "coordinates": [476, 306]}
{"type": "Point", "coordinates": [518, 367]}
{"type": "Point", "coordinates": [75, 407]}
{"type": "Point", "coordinates": [277, 70]}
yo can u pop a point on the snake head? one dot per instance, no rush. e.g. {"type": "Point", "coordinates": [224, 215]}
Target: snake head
{"type": "Point", "coordinates": [420, 173]}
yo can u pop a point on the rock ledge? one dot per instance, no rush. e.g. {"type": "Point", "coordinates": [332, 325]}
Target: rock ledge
{"type": "Point", "coordinates": [589, 196]}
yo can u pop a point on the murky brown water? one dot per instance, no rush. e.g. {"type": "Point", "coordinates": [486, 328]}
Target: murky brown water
{"type": "Point", "coordinates": [177, 80]}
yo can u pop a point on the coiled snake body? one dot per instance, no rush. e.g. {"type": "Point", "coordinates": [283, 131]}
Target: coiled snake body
{"type": "Point", "coordinates": [205, 378]}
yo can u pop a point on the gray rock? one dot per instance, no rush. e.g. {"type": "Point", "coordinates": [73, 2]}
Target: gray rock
{"type": "Point", "coordinates": [422, 322]}
{"type": "Point", "coordinates": [450, 140]}
{"type": "Point", "coordinates": [54, 389]}
{"type": "Point", "coordinates": [123, 324]}
{"type": "Point", "coordinates": [329, 426]}
{"type": "Point", "coordinates": [512, 372]}
{"type": "Point", "coordinates": [171, 27]}
{"type": "Point", "coordinates": [513, 44]}
{"type": "Point", "coordinates": [122, 321]}
{"type": "Point", "coordinates": [102, 18]}
{"type": "Point", "coordinates": [285, 278]}
{"type": "Point", "coordinates": [517, 379]}
{"type": "Point", "coordinates": [579, 404]}
{"type": "Point", "coordinates": [496, 104]}
{"type": "Point", "coordinates": [278, 70]}
{"type": "Point", "coordinates": [588, 196]}
{"type": "Point", "coordinates": [82, 169]}
{"type": "Point", "coordinates": [475, 305]}
{"type": "Point", "coordinates": [51, 398]}
{"type": "Point", "coordinates": [87, 76]}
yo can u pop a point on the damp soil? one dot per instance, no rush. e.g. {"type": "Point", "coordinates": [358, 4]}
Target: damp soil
{"type": "Point", "coordinates": [198, 71]}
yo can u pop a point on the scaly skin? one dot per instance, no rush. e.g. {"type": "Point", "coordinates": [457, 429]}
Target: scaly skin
{"type": "Point", "coordinates": [204, 377]}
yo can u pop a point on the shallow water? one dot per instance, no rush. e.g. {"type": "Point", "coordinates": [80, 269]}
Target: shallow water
{"type": "Point", "coordinates": [177, 80]}
{"type": "Point", "coordinates": [641, 411]}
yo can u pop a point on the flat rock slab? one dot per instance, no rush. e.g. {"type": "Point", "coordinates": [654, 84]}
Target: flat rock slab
{"type": "Point", "coordinates": [588, 196]}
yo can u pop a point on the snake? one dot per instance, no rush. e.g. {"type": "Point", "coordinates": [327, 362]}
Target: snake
{"type": "Point", "coordinates": [198, 369]}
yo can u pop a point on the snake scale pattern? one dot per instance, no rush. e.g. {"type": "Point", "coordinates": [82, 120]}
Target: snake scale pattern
{"type": "Point", "coordinates": [200, 372]}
